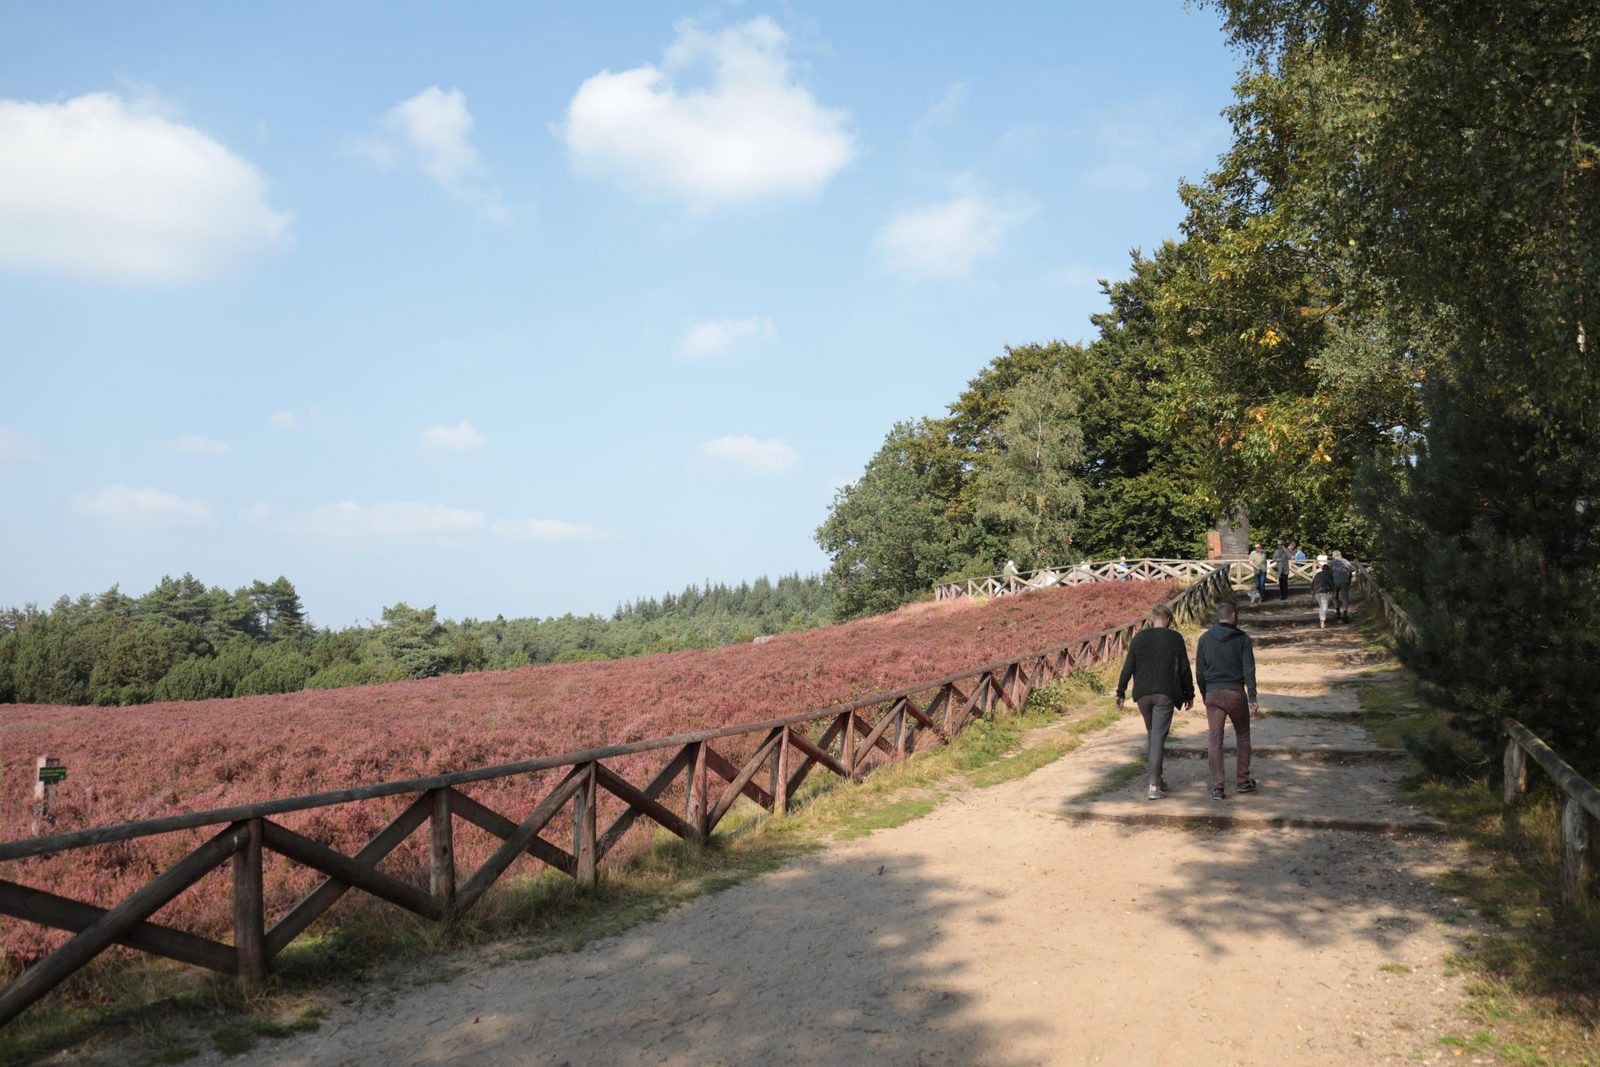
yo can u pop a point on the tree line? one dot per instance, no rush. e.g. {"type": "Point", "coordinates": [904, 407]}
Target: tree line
{"type": "Point", "coordinates": [183, 640]}
{"type": "Point", "coordinates": [1374, 332]}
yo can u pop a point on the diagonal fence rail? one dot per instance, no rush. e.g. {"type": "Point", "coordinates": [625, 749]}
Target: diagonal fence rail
{"type": "Point", "coordinates": [563, 830]}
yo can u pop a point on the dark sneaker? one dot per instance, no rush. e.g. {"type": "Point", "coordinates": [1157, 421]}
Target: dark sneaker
{"type": "Point", "coordinates": [1246, 786]}
{"type": "Point", "coordinates": [1155, 794]}
{"type": "Point", "coordinates": [1218, 794]}
{"type": "Point", "coordinates": [1163, 785]}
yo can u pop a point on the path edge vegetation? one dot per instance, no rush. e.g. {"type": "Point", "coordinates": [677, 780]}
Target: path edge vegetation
{"type": "Point", "coordinates": [153, 1012]}
{"type": "Point", "coordinates": [1532, 968]}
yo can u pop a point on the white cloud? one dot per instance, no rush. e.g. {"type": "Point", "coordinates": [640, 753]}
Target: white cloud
{"type": "Point", "coordinates": [716, 338]}
{"type": "Point", "coordinates": [389, 520]}
{"type": "Point", "coordinates": [757, 456]}
{"type": "Point", "coordinates": [1074, 276]}
{"type": "Point", "coordinates": [751, 132]}
{"type": "Point", "coordinates": [943, 112]}
{"type": "Point", "coordinates": [119, 503]}
{"type": "Point", "coordinates": [434, 128]}
{"type": "Point", "coordinates": [1146, 143]}
{"type": "Point", "coordinates": [548, 530]}
{"type": "Point", "coordinates": [284, 420]}
{"type": "Point", "coordinates": [17, 447]}
{"type": "Point", "coordinates": [102, 188]}
{"type": "Point", "coordinates": [202, 447]}
{"type": "Point", "coordinates": [947, 240]}
{"type": "Point", "coordinates": [462, 438]}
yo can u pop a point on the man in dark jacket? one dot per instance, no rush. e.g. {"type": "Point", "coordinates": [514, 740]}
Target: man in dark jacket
{"type": "Point", "coordinates": [1340, 571]}
{"type": "Point", "coordinates": [1158, 662]}
{"type": "Point", "coordinates": [1225, 669]}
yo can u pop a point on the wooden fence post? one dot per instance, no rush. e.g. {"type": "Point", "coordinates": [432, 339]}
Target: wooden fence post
{"type": "Point", "coordinates": [249, 907]}
{"type": "Point", "coordinates": [780, 775]}
{"type": "Point", "coordinates": [847, 750]}
{"type": "Point", "coordinates": [585, 831]}
{"type": "Point", "coordinates": [695, 782]}
{"type": "Point", "coordinates": [441, 850]}
{"type": "Point", "coordinates": [1516, 780]}
{"type": "Point", "coordinates": [1577, 852]}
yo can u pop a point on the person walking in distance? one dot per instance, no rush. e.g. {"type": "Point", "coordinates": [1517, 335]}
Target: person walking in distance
{"type": "Point", "coordinates": [1322, 589]}
{"type": "Point", "coordinates": [1340, 571]}
{"type": "Point", "coordinates": [1280, 559]}
{"type": "Point", "coordinates": [1225, 671]}
{"type": "Point", "coordinates": [1258, 560]}
{"type": "Point", "coordinates": [1158, 663]}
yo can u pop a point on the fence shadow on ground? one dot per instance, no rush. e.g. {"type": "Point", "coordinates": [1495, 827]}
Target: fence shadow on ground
{"type": "Point", "coordinates": [833, 959]}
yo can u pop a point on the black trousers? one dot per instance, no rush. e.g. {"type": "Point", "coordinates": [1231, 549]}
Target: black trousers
{"type": "Point", "coordinates": [1283, 583]}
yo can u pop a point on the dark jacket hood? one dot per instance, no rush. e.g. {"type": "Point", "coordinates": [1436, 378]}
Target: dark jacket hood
{"type": "Point", "coordinates": [1226, 631]}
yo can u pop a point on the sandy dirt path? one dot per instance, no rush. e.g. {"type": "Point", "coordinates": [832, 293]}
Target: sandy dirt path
{"type": "Point", "coordinates": [1000, 929]}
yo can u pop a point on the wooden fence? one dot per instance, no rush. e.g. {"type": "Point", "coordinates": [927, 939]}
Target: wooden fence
{"type": "Point", "coordinates": [1580, 814]}
{"type": "Point", "coordinates": [1393, 614]}
{"type": "Point", "coordinates": [848, 740]}
{"type": "Point", "coordinates": [1124, 570]}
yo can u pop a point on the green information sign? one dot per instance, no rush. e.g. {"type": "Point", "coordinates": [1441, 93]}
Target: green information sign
{"type": "Point", "coordinates": [53, 773]}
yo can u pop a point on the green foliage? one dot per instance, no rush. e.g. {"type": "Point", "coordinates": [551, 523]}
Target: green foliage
{"type": "Point", "coordinates": [1029, 488]}
{"type": "Point", "coordinates": [340, 675]}
{"type": "Point", "coordinates": [887, 531]}
{"type": "Point", "coordinates": [278, 611]}
{"type": "Point", "coordinates": [282, 671]}
{"type": "Point", "coordinates": [1448, 152]}
{"type": "Point", "coordinates": [414, 640]}
{"type": "Point", "coordinates": [193, 679]}
{"type": "Point", "coordinates": [1052, 453]}
{"type": "Point", "coordinates": [132, 660]}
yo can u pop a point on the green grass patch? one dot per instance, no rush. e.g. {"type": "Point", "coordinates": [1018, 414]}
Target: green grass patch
{"type": "Point", "coordinates": [1048, 749]}
{"type": "Point", "coordinates": [1532, 978]}
{"type": "Point", "coordinates": [239, 1036]}
{"type": "Point", "coordinates": [1395, 968]}
{"type": "Point", "coordinates": [1533, 975]}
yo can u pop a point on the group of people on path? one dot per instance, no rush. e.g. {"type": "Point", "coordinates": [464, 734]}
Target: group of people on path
{"type": "Point", "coordinates": [1225, 673]}
{"type": "Point", "coordinates": [1330, 582]}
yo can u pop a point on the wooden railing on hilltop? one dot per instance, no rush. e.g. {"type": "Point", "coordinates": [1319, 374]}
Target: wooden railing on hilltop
{"type": "Point", "coordinates": [1119, 570]}
{"type": "Point", "coordinates": [848, 740]}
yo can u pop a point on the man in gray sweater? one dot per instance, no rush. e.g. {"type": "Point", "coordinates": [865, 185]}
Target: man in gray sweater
{"type": "Point", "coordinates": [1158, 662]}
{"type": "Point", "coordinates": [1225, 668]}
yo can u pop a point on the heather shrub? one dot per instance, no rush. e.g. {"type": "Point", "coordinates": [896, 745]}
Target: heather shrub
{"type": "Point", "coordinates": [165, 758]}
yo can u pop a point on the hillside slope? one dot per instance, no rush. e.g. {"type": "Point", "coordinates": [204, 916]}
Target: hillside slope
{"type": "Point", "coordinates": [159, 759]}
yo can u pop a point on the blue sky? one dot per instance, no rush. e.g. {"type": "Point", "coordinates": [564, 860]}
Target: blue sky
{"type": "Point", "coordinates": [534, 308]}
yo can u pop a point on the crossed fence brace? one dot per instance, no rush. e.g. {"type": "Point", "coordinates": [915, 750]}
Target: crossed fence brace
{"type": "Point", "coordinates": [850, 741]}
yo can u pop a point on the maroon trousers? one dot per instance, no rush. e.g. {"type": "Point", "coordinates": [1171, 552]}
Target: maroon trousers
{"type": "Point", "coordinates": [1222, 705]}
